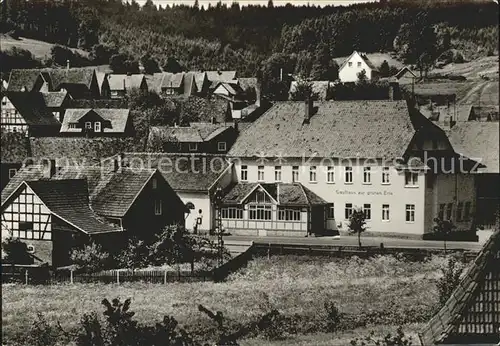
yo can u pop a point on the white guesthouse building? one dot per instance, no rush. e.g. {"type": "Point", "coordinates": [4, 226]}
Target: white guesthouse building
{"type": "Point", "coordinates": [354, 64]}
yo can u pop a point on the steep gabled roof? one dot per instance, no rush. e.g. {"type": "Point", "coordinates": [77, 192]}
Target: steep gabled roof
{"type": "Point", "coordinates": [20, 78]}
{"type": "Point", "coordinates": [30, 172]}
{"type": "Point", "coordinates": [172, 80]}
{"type": "Point", "coordinates": [404, 71]}
{"type": "Point", "coordinates": [64, 76]}
{"type": "Point", "coordinates": [200, 78]}
{"type": "Point", "coordinates": [124, 81]}
{"type": "Point", "coordinates": [363, 56]}
{"type": "Point", "coordinates": [478, 140]}
{"type": "Point", "coordinates": [471, 315]}
{"type": "Point", "coordinates": [183, 172]}
{"type": "Point", "coordinates": [232, 88]}
{"type": "Point", "coordinates": [31, 106]}
{"type": "Point", "coordinates": [221, 76]}
{"type": "Point", "coordinates": [54, 99]}
{"type": "Point", "coordinates": [117, 118]}
{"type": "Point", "coordinates": [343, 129]}
{"type": "Point", "coordinates": [195, 133]}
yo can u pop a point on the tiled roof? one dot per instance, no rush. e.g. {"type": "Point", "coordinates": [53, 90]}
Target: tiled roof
{"type": "Point", "coordinates": [154, 81]}
{"type": "Point", "coordinates": [477, 140]}
{"type": "Point", "coordinates": [188, 83]}
{"type": "Point", "coordinates": [183, 172]}
{"type": "Point", "coordinates": [232, 88]}
{"type": "Point", "coordinates": [100, 76]}
{"type": "Point", "coordinates": [456, 112]}
{"type": "Point", "coordinates": [30, 172]}
{"type": "Point", "coordinates": [63, 76]}
{"type": "Point", "coordinates": [195, 133]}
{"type": "Point", "coordinates": [116, 119]}
{"type": "Point", "coordinates": [31, 106]}
{"type": "Point", "coordinates": [69, 200]}
{"type": "Point", "coordinates": [319, 87]}
{"type": "Point", "coordinates": [474, 295]}
{"type": "Point", "coordinates": [199, 79]}
{"type": "Point", "coordinates": [112, 193]}
{"type": "Point", "coordinates": [20, 78]}
{"type": "Point", "coordinates": [172, 80]}
{"type": "Point", "coordinates": [343, 129]}
{"type": "Point", "coordinates": [403, 71]}
{"type": "Point", "coordinates": [15, 147]}
{"type": "Point", "coordinates": [124, 81]}
{"type": "Point", "coordinates": [54, 99]}
{"type": "Point", "coordinates": [285, 194]}
{"type": "Point", "coordinates": [221, 76]}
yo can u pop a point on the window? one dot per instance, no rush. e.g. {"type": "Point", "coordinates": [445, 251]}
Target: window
{"type": "Point", "coordinates": [277, 173]}
{"type": "Point", "coordinates": [348, 175]}
{"type": "Point", "coordinates": [331, 211]}
{"type": "Point", "coordinates": [260, 173]}
{"type": "Point", "coordinates": [449, 210]}
{"type": "Point", "coordinates": [367, 210]}
{"type": "Point", "coordinates": [295, 174]}
{"type": "Point", "coordinates": [367, 175]}
{"type": "Point", "coordinates": [385, 212]}
{"type": "Point", "coordinates": [312, 174]}
{"type": "Point", "coordinates": [410, 213]}
{"type": "Point", "coordinates": [330, 174]}
{"type": "Point", "coordinates": [97, 126]}
{"type": "Point", "coordinates": [411, 179]}
{"type": "Point", "coordinates": [88, 125]}
{"type": "Point", "coordinates": [441, 211]}
{"type": "Point", "coordinates": [12, 172]}
{"type": "Point", "coordinates": [244, 173]}
{"type": "Point", "coordinates": [221, 146]}
{"type": "Point", "coordinates": [348, 210]}
{"type": "Point", "coordinates": [154, 183]}
{"type": "Point", "coordinates": [158, 207]}
{"type": "Point", "coordinates": [467, 211]}
{"type": "Point", "coordinates": [232, 213]}
{"type": "Point", "coordinates": [460, 208]}
{"type": "Point", "coordinates": [4, 101]}
{"type": "Point", "coordinates": [72, 125]}
{"type": "Point", "coordinates": [289, 214]}
{"type": "Point", "coordinates": [260, 212]}
{"type": "Point", "coordinates": [350, 63]}
{"type": "Point", "coordinates": [386, 175]}
{"type": "Point", "coordinates": [193, 146]}
{"type": "Point", "coordinates": [359, 63]}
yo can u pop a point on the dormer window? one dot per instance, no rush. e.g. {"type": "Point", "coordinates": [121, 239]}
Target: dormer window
{"type": "Point", "coordinates": [88, 125]}
{"type": "Point", "coordinates": [193, 146]}
{"type": "Point", "coordinates": [221, 146]}
{"type": "Point", "coordinates": [97, 126]}
{"type": "Point", "coordinates": [72, 125]}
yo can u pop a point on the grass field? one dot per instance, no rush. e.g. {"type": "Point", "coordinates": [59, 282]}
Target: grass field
{"type": "Point", "coordinates": [383, 291]}
{"type": "Point", "coordinates": [40, 49]}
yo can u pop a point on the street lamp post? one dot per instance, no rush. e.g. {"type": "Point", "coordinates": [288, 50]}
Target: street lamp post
{"type": "Point", "coordinates": [218, 224]}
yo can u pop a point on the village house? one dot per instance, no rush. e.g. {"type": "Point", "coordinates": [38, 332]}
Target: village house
{"type": "Point", "coordinates": [221, 76]}
{"type": "Point", "coordinates": [53, 210]}
{"type": "Point", "coordinates": [57, 102]}
{"type": "Point", "coordinates": [103, 84]}
{"type": "Point", "coordinates": [95, 122]}
{"type": "Point", "coordinates": [172, 83]}
{"type": "Point", "coordinates": [120, 84]}
{"type": "Point", "coordinates": [405, 76]}
{"type": "Point", "coordinates": [27, 113]}
{"type": "Point", "coordinates": [194, 177]}
{"type": "Point", "coordinates": [471, 314]}
{"type": "Point", "coordinates": [343, 155]}
{"type": "Point", "coordinates": [354, 64]}
{"type": "Point", "coordinates": [198, 137]}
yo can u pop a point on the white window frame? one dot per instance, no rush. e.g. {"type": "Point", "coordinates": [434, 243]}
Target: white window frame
{"type": "Point", "coordinates": [367, 211]}
{"type": "Point", "coordinates": [295, 174]}
{"type": "Point", "coordinates": [277, 173]}
{"type": "Point", "coordinates": [97, 126]}
{"type": "Point", "coordinates": [260, 173]}
{"type": "Point", "coordinates": [221, 146]}
{"type": "Point", "coordinates": [289, 214]}
{"type": "Point", "coordinates": [386, 212]}
{"type": "Point", "coordinates": [12, 175]}
{"type": "Point", "coordinates": [359, 64]}
{"type": "Point", "coordinates": [367, 175]}
{"type": "Point", "coordinates": [411, 179]}
{"type": "Point", "coordinates": [158, 207]}
{"type": "Point", "coordinates": [330, 174]}
{"type": "Point", "coordinates": [410, 213]}
{"type": "Point", "coordinates": [386, 175]}
{"type": "Point", "coordinates": [88, 125]}
{"type": "Point", "coordinates": [331, 212]}
{"type": "Point", "coordinates": [265, 209]}
{"type": "Point", "coordinates": [193, 146]}
{"type": "Point", "coordinates": [348, 174]}
{"type": "Point", "coordinates": [244, 173]}
{"type": "Point", "coordinates": [232, 213]}
{"type": "Point", "coordinates": [313, 174]}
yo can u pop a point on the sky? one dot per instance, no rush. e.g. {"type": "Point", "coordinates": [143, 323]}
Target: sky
{"type": "Point", "coordinates": [261, 2]}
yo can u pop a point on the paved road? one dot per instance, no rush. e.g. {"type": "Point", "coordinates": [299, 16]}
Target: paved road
{"type": "Point", "coordinates": [366, 241]}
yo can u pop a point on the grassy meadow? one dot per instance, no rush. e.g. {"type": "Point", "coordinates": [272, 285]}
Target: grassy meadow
{"type": "Point", "coordinates": [379, 294]}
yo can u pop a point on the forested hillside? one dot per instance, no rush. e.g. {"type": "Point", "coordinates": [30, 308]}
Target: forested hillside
{"type": "Point", "coordinates": [302, 39]}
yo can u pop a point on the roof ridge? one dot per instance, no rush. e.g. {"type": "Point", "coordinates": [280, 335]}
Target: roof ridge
{"type": "Point", "coordinates": [304, 192]}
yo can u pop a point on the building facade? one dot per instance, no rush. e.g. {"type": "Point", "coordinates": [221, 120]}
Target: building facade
{"type": "Point", "coordinates": [355, 64]}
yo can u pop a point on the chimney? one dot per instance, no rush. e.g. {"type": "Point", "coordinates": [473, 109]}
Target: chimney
{"type": "Point", "coordinates": [118, 163]}
{"type": "Point", "coordinates": [391, 93]}
{"type": "Point", "coordinates": [49, 168]}
{"type": "Point", "coordinates": [67, 64]}
{"type": "Point", "coordinates": [308, 109]}
{"type": "Point", "coordinates": [281, 74]}
{"type": "Point", "coordinates": [448, 122]}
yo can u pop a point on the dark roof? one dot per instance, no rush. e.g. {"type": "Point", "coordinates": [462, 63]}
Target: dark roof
{"type": "Point", "coordinates": [15, 147]}
{"type": "Point", "coordinates": [20, 78]}
{"type": "Point", "coordinates": [183, 172]}
{"type": "Point", "coordinates": [124, 81]}
{"type": "Point", "coordinates": [221, 76]}
{"type": "Point", "coordinates": [233, 88]}
{"type": "Point", "coordinates": [112, 193]}
{"type": "Point", "coordinates": [479, 141]}
{"type": "Point", "coordinates": [117, 119]}
{"type": "Point", "coordinates": [189, 82]}
{"type": "Point", "coordinates": [469, 314]}
{"type": "Point", "coordinates": [285, 194]}
{"type": "Point", "coordinates": [69, 200]}
{"type": "Point", "coordinates": [199, 79]}
{"type": "Point", "coordinates": [31, 106]}
{"type": "Point", "coordinates": [199, 109]}
{"type": "Point", "coordinates": [195, 133]}
{"type": "Point", "coordinates": [54, 99]}
{"type": "Point", "coordinates": [171, 80]}
{"type": "Point", "coordinates": [343, 129]}
{"type": "Point", "coordinates": [31, 172]}
{"type": "Point", "coordinates": [82, 76]}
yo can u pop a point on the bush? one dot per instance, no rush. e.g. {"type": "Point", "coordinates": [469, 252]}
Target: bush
{"type": "Point", "coordinates": [450, 280]}
{"type": "Point", "coordinates": [16, 251]}
{"type": "Point", "coordinates": [333, 317]}
{"type": "Point", "coordinates": [400, 339]}
{"type": "Point", "coordinates": [90, 258]}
